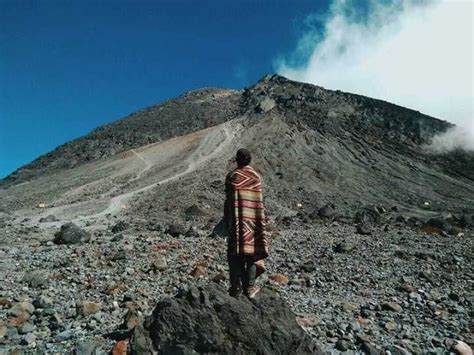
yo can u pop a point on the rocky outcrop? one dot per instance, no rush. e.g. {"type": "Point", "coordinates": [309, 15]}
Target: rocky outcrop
{"type": "Point", "coordinates": [71, 234]}
{"type": "Point", "coordinates": [208, 320]}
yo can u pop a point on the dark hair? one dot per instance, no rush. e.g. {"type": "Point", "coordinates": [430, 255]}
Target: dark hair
{"type": "Point", "coordinates": [243, 157]}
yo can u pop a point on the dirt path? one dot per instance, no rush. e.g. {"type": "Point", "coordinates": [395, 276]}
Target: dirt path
{"type": "Point", "coordinates": [205, 151]}
{"type": "Point", "coordinates": [209, 147]}
{"type": "Point", "coordinates": [147, 167]}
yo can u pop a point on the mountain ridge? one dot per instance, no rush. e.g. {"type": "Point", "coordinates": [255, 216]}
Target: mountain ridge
{"type": "Point", "coordinates": [205, 107]}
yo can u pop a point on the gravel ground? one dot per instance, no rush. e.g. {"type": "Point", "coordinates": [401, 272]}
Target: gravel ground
{"type": "Point", "coordinates": [399, 288]}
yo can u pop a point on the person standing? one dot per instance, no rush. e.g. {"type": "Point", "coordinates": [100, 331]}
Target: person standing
{"type": "Point", "coordinates": [244, 219]}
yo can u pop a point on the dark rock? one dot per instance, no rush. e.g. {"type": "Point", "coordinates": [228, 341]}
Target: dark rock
{"type": "Point", "coordinates": [435, 225]}
{"type": "Point", "coordinates": [71, 234]}
{"type": "Point", "coordinates": [119, 255]}
{"type": "Point", "coordinates": [363, 229]}
{"type": "Point", "coordinates": [49, 218]}
{"type": "Point", "coordinates": [119, 227]}
{"type": "Point", "coordinates": [192, 232]}
{"type": "Point", "coordinates": [327, 211]}
{"type": "Point", "coordinates": [175, 230]}
{"type": "Point", "coordinates": [367, 215]}
{"type": "Point", "coordinates": [204, 321]}
{"type": "Point", "coordinates": [343, 247]}
{"type": "Point", "coordinates": [370, 349]}
{"type": "Point", "coordinates": [195, 211]}
{"type": "Point", "coordinates": [413, 221]}
{"type": "Point", "coordinates": [342, 345]}
{"type": "Point", "coordinates": [392, 306]}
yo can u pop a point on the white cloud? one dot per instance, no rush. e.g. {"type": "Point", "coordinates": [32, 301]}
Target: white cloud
{"type": "Point", "coordinates": [412, 53]}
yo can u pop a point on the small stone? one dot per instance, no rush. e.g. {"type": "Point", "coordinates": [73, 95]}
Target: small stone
{"type": "Point", "coordinates": [349, 307]}
{"type": "Point", "coordinates": [119, 255]}
{"type": "Point", "coordinates": [363, 230]}
{"type": "Point", "coordinates": [198, 271]}
{"type": "Point", "coordinates": [219, 277]}
{"type": "Point", "coordinates": [36, 279]}
{"type": "Point", "coordinates": [407, 288]}
{"type": "Point", "coordinates": [308, 321]}
{"type": "Point", "coordinates": [391, 326]}
{"type": "Point", "coordinates": [86, 347]}
{"type": "Point", "coordinates": [26, 328]}
{"type": "Point", "coordinates": [132, 319]}
{"type": "Point", "coordinates": [119, 227]}
{"type": "Point", "coordinates": [120, 348]}
{"type": "Point", "coordinates": [50, 218]}
{"type": "Point", "coordinates": [175, 230]}
{"type": "Point", "coordinates": [24, 306]}
{"type": "Point", "coordinates": [192, 232]}
{"type": "Point", "coordinates": [29, 339]}
{"type": "Point", "coordinates": [280, 279]}
{"type": "Point", "coordinates": [3, 330]}
{"type": "Point", "coordinates": [86, 308]}
{"type": "Point", "coordinates": [342, 345]}
{"type": "Point", "coordinates": [343, 247]}
{"type": "Point", "coordinates": [158, 263]}
{"type": "Point", "coordinates": [42, 302]}
{"type": "Point", "coordinates": [392, 306]}
{"type": "Point", "coordinates": [370, 349]}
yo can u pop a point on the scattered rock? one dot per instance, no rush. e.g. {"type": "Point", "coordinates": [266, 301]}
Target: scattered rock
{"type": "Point", "coordinates": [343, 247]}
{"type": "Point", "coordinates": [364, 230]}
{"type": "Point", "coordinates": [368, 215]}
{"type": "Point", "coordinates": [392, 306]}
{"type": "Point", "coordinates": [86, 347]}
{"type": "Point", "coordinates": [219, 277]}
{"type": "Point", "coordinates": [120, 348]}
{"type": "Point", "coordinates": [50, 218]}
{"type": "Point", "coordinates": [36, 279]}
{"type": "Point", "coordinates": [342, 345]}
{"type": "Point", "coordinates": [192, 232]}
{"type": "Point", "coordinates": [327, 211]}
{"type": "Point", "coordinates": [86, 308]}
{"type": "Point", "coordinates": [349, 307]}
{"type": "Point", "coordinates": [198, 271]}
{"type": "Point", "coordinates": [391, 326]}
{"type": "Point", "coordinates": [158, 263]}
{"type": "Point", "coordinates": [71, 234]}
{"type": "Point", "coordinates": [280, 279]}
{"type": "Point", "coordinates": [120, 226]}
{"type": "Point", "coordinates": [176, 229]}
{"type": "Point", "coordinates": [132, 319]}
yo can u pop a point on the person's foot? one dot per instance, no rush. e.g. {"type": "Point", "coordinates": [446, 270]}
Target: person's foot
{"type": "Point", "coordinates": [235, 291]}
{"type": "Point", "coordinates": [252, 291]}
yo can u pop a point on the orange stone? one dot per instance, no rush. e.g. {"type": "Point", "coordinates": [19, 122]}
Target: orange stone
{"type": "Point", "coordinates": [279, 278]}
{"type": "Point", "coordinates": [198, 271]}
{"type": "Point", "coordinates": [120, 348]}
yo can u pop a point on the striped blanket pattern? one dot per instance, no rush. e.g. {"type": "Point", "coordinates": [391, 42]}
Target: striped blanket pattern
{"type": "Point", "coordinates": [245, 214]}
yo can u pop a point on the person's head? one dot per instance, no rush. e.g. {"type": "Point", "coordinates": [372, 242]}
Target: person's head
{"type": "Point", "coordinates": [243, 157]}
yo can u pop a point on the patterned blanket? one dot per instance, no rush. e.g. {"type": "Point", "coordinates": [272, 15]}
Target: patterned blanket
{"type": "Point", "coordinates": [244, 215]}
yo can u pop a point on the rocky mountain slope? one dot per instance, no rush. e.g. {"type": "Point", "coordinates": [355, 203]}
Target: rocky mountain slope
{"type": "Point", "coordinates": [371, 234]}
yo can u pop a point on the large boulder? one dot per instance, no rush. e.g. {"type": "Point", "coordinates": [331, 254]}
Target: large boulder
{"type": "Point", "coordinates": [71, 234]}
{"type": "Point", "coordinates": [208, 320]}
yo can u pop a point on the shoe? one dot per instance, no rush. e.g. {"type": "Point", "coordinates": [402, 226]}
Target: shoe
{"type": "Point", "coordinates": [235, 291]}
{"type": "Point", "coordinates": [252, 291]}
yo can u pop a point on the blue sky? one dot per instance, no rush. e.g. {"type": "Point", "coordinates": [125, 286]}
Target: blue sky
{"type": "Point", "coordinates": [67, 67]}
